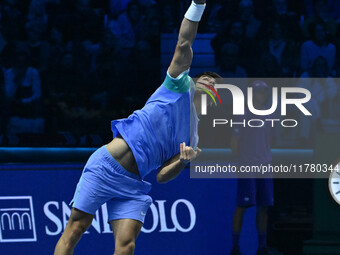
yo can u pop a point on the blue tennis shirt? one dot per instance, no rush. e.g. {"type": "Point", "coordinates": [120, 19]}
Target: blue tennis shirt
{"type": "Point", "coordinates": [154, 133]}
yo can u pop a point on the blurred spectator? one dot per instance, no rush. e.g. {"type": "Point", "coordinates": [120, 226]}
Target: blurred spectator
{"type": "Point", "coordinates": [82, 58]}
{"type": "Point", "coordinates": [318, 46]}
{"type": "Point", "coordinates": [66, 90]}
{"type": "Point", "coordinates": [321, 14]}
{"type": "Point", "coordinates": [107, 62]}
{"type": "Point", "coordinates": [55, 49]}
{"type": "Point", "coordinates": [117, 7]}
{"type": "Point", "coordinates": [130, 25]}
{"type": "Point", "coordinates": [22, 82]}
{"type": "Point", "coordinates": [151, 12]}
{"type": "Point", "coordinates": [147, 74]}
{"type": "Point", "coordinates": [86, 23]}
{"type": "Point", "coordinates": [246, 14]}
{"type": "Point", "coordinates": [3, 109]}
{"type": "Point", "coordinates": [37, 47]}
{"type": "Point", "coordinates": [235, 33]}
{"type": "Point", "coordinates": [153, 36]}
{"type": "Point", "coordinates": [228, 11]}
{"type": "Point", "coordinates": [214, 21]}
{"type": "Point", "coordinates": [111, 80]}
{"type": "Point", "coordinates": [168, 24]}
{"type": "Point", "coordinates": [283, 50]}
{"type": "Point", "coordinates": [268, 66]}
{"type": "Point", "coordinates": [23, 90]}
{"type": "Point", "coordinates": [287, 20]}
{"type": "Point", "coordinates": [280, 7]}
{"type": "Point", "coordinates": [323, 90]}
{"type": "Point", "coordinates": [228, 66]}
{"type": "Point", "coordinates": [332, 7]}
{"type": "Point", "coordinates": [8, 55]}
{"type": "Point", "coordinates": [13, 15]}
{"type": "Point", "coordinates": [3, 41]}
{"type": "Point", "coordinates": [37, 15]}
{"type": "Point", "coordinates": [65, 81]}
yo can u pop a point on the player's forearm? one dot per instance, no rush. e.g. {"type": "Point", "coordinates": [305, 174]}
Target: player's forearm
{"type": "Point", "coordinates": [187, 33]}
{"type": "Point", "coordinates": [170, 171]}
{"type": "Point", "coordinates": [174, 166]}
{"type": "Point", "coordinates": [189, 26]}
{"type": "Point", "coordinates": [183, 54]}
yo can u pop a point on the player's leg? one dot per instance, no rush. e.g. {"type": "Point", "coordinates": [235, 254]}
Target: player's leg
{"type": "Point", "coordinates": [261, 224]}
{"type": "Point", "coordinates": [246, 197]}
{"type": "Point", "coordinates": [261, 219]}
{"type": "Point", "coordinates": [92, 191]}
{"type": "Point", "coordinates": [125, 232]}
{"type": "Point", "coordinates": [238, 218]}
{"type": "Point", "coordinates": [126, 216]}
{"type": "Point", "coordinates": [78, 223]}
{"type": "Point", "coordinates": [264, 200]}
{"type": "Point", "coordinates": [237, 226]}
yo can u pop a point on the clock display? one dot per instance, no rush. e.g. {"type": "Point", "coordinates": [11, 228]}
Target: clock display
{"type": "Point", "coordinates": [334, 183]}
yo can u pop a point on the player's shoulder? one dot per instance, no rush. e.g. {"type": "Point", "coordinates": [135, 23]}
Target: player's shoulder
{"type": "Point", "coordinates": [180, 84]}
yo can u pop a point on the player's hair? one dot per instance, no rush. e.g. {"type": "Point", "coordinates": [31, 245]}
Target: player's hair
{"type": "Point", "coordinates": [210, 74]}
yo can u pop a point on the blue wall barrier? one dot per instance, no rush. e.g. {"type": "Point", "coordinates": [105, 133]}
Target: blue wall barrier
{"type": "Point", "coordinates": [188, 216]}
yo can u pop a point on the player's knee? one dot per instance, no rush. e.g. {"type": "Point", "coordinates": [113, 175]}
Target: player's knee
{"type": "Point", "coordinates": [126, 248]}
{"type": "Point", "coordinates": [78, 223]}
{"type": "Point", "coordinates": [77, 229]}
{"type": "Point", "coordinates": [72, 234]}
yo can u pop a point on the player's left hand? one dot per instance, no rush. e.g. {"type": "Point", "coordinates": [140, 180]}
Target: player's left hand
{"type": "Point", "coordinates": [187, 153]}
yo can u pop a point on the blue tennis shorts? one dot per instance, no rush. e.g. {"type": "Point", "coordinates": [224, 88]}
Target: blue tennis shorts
{"type": "Point", "coordinates": [104, 180]}
{"type": "Point", "coordinates": [255, 191]}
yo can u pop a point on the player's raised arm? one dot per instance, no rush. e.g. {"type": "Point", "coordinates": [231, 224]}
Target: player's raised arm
{"type": "Point", "coordinates": [182, 58]}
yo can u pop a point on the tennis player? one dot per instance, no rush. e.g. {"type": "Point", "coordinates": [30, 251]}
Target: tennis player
{"type": "Point", "coordinates": [161, 136]}
{"type": "Point", "coordinates": [252, 147]}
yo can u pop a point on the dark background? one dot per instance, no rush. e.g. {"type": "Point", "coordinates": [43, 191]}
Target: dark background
{"type": "Point", "coordinates": [70, 67]}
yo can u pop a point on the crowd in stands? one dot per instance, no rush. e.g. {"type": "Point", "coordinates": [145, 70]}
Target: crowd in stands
{"type": "Point", "coordinates": [68, 67]}
{"type": "Point", "coordinates": [285, 39]}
